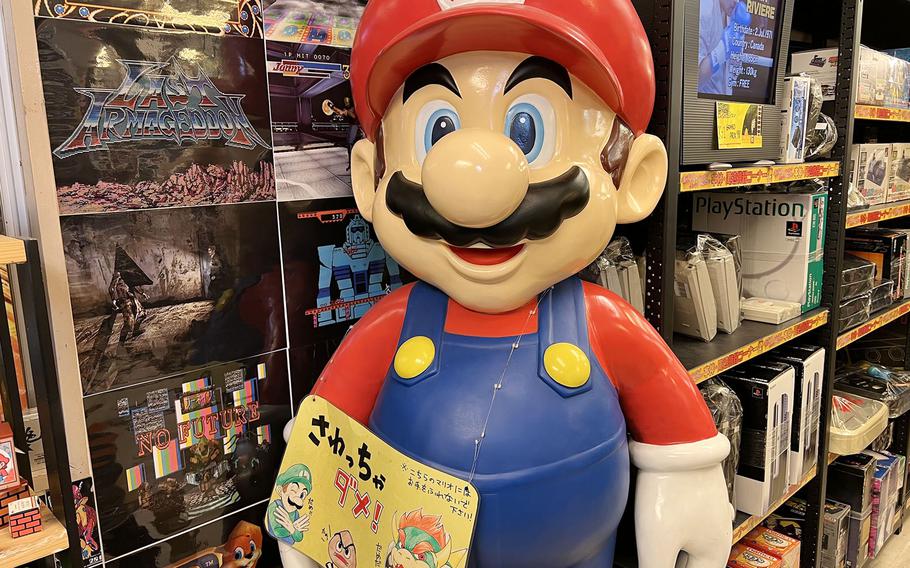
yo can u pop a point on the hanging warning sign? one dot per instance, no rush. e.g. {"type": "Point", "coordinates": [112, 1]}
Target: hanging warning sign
{"type": "Point", "coordinates": [342, 492]}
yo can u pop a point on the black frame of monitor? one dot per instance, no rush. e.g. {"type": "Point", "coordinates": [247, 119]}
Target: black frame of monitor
{"type": "Point", "coordinates": [699, 129]}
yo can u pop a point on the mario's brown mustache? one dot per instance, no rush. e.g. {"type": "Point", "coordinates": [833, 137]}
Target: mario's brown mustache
{"type": "Point", "coordinates": [545, 206]}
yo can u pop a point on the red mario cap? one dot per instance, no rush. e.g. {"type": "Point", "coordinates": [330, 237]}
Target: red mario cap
{"type": "Point", "coordinates": [601, 42]}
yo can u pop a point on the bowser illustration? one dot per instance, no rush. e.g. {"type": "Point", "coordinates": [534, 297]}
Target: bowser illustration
{"type": "Point", "coordinates": [504, 143]}
{"type": "Point", "coordinates": [357, 268]}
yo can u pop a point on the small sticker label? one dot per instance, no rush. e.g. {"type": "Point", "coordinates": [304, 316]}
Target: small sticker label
{"type": "Point", "coordinates": [123, 408]}
{"type": "Point", "coordinates": [794, 228]}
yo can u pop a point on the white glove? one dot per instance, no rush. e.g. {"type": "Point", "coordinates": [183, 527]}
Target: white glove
{"type": "Point", "coordinates": [291, 558]}
{"type": "Point", "coordinates": [681, 504]}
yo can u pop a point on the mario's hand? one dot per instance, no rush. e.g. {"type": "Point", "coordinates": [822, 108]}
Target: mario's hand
{"type": "Point", "coordinates": [681, 504]}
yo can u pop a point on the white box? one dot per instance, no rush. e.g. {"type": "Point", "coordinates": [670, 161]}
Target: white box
{"type": "Point", "coordinates": [781, 236]}
{"type": "Point", "coordinates": [820, 64]}
{"type": "Point", "coordinates": [794, 118]}
{"type": "Point", "coordinates": [724, 284]}
{"type": "Point", "coordinates": [809, 365]}
{"type": "Point", "coordinates": [870, 165]}
{"type": "Point", "coordinates": [630, 284]}
{"type": "Point", "coordinates": [694, 311]}
{"type": "Point", "coordinates": [899, 180]}
{"type": "Point", "coordinates": [763, 473]}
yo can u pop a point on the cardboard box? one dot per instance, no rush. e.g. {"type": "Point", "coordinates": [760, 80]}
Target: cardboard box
{"type": "Point", "coordinates": [10, 495]}
{"type": "Point", "coordinates": [789, 518]}
{"type": "Point", "coordinates": [884, 500]}
{"type": "Point", "coordinates": [809, 365]}
{"type": "Point", "coordinates": [775, 544]}
{"type": "Point", "coordinates": [886, 249]}
{"type": "Point", "coordinates": [782, 238]}
{"type": "Point", "coordinates": [850, 481]}
{"type": "Point", "coordinates": [766, 393]}
{"type": "Point", "coordinates": [794, 118]}
{"type": "Point", "coordinates": [821, 65]}
{"type": "Point", "coordinates": [870, 166]}
{"type": "Point", "coordinates": [899, 181]}
{"type": "Point", "coordinates": [834, 534]}
{"type": "Point", "coordinates": [858, 538]}
{"type": "Point", "coordinates": [743, 556]}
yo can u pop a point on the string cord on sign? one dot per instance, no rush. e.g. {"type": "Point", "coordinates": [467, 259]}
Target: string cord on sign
{"type": "Point", "coordinates": [478, 442]}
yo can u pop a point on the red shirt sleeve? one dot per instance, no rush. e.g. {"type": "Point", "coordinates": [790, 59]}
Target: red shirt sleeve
{"type": "Point", "coordinates": [354, 375]}
{"type": "Point", "coordinates": [660, 401]}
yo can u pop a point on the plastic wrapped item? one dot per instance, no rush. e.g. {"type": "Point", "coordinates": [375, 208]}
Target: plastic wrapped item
{"type": "Point", "coordinates": [821, 133]}
{"type": "Point", "coordinates": [884, 440]}
{"type": "Point", "coordinates": [855, 311]}
{"type": "Point", "coordinates": [766, 310]}
{"type": "Point", "coordinates": [877, 382]}
{"type": "Point", "coordinates": [617, 270]}
{"type": "Point", "coordinates": [726, 280]}
{"type": "Point", "coordinates": [727, 411]}
{"type": "Point", "coordinates": [855, 422]}
{"type": "Point", "coordinates": [882, 295]}
{"type": "Point", "coordinates": [855, 199]}
{"type": "Point", "coordinates": [857, 277]}
{"type": "Point", "coordinates": [694, 310]}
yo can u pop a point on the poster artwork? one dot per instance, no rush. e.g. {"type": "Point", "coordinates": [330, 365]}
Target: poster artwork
{"type": "Point", "coordinates": [143, 118]}
{"type": "Point", "coordinates": [213, 451]}
{"type": "Point", "coordinates": [220, 17]}
{"type": "Point", "coordinates": [157, 292]}
{"type": "Point", "coordinates": [234, 541]}
{"type": "Point", "coordinates": [314, 126]}
{"type": "Point", "coordinates": [335, 268]}
{"type": "Point", "coordinates": [320, 22]}
{"type": "Point", "coordinates": [347, 499]}
{"type": "Point", "coordinates": [87, 522]}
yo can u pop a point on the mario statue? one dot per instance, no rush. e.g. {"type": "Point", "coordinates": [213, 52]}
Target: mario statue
{"type": "Point", "coordinates": [504, 142]}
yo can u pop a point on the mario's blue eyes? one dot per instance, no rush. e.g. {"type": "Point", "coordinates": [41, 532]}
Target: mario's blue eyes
{"type": "Point", "coordinates": [443, 121]}
{"type": "Point", "coordinates": [525, 127]}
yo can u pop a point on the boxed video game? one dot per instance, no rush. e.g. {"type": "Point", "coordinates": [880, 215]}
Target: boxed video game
{"type": "Point", "coordinates": [869, 168]}
{"type": "Point", "coordinates": [855, 311]}
{"type": "Point", "coordinates": [782, 238]}
{"type": "Point", "coordinates": [886, 248]}
{"type": "Point", "coordinates": [899, 182]}
{"type": "Point", "coordinates": [820, 64]}
{"type": "Point", "coordinates": [794, 117]}
{"type": "Point", "coordinates": [850, 480]}
{"type": "Point", "coordinates": [789, 518]}
{"type": "Point", "coordinates": [857, 276]}
{"type": "Point", "coordinates": [695, 312]}
{"type": "Point", "coordinates": [892, 387]}
{"type": "Point", "coordinates": [884, 500]}
{"type": "Point", "coordinates": [834, 534]}
{"type": "Point", "coordinates": [766, 393]}
{"type": "Point", "coordinates": [882, 296]}
{"type": "Point", "coordinates": [773, 543]}
{"type": "Point", "coordinates": [809, 366]}
{"type": "Point", "coordinates": [860, 525]}
{"type": "Point", "coordinates": [742, 556]}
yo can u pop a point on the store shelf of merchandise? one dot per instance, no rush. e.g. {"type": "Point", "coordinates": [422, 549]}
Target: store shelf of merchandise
{"type": "Point", "coordinates": [743, 523]}
{"type": "Point", "coordinates": [706, 360]}
{"type": "Point", "coordinates": [878, 213]}
{"type": "Point", "coordinates": [868, 112]}
{"type": "Point", "coordinates": [12, 251]}
{"type": "Point", "coordinates": [20, 551]}
{"type": "Point", "coordinates": [759, 175]}
{"type": "Point", "coordinates": [878, 321]}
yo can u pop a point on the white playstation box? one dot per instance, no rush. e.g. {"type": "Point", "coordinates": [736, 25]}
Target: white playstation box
{"type": "Point", "coordinates": [782, 237]}
{"type": "Point", "coordinates": [694, 313]}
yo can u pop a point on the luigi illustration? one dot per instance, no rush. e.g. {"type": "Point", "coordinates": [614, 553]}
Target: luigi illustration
{"type": "Point", "coordinates": [504, 142]}
{"type": "Point", "coordinates": [285, 519]}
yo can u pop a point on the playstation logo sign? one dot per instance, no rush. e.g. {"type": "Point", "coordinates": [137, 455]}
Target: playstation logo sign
{"type": "Point", "coordinates": [450, 4]}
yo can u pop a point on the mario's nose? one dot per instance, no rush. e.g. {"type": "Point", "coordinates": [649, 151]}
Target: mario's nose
{"type": "Point", "coordinates": [475, 177]}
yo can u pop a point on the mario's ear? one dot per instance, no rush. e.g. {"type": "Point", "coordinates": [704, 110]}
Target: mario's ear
{"type": "Point", "coordinates": [363, 178]}
{"type": "Point", "coordinates": [643, 180]}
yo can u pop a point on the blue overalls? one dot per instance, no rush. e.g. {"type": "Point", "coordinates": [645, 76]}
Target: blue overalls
{"type": "Point", "coordinates": [553, 467]}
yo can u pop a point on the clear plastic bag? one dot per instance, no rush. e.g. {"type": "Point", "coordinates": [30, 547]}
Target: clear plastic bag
{"type": "Point", "coordinates": [855, 422]}
{"type": "Point", "coordinates": [727, 411]}
{"type": "Point", "coordinates": [882, 295]}
{"type": "Point", "coordinates": [724, 265]}
{"type": "Point", "coordinates": [857, 276]}
{"type": "Point", "coordinates": [855, 311]}
{"type": "Point", "coordinates": [617, 270]}
{"type": "Point", "coordinates": [884, 384]}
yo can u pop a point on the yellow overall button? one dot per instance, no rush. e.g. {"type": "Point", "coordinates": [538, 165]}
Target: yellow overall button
{"type": "Point", "coordinates": [414, 357]}
{"type": "Point", "coordinates": [567, 365]}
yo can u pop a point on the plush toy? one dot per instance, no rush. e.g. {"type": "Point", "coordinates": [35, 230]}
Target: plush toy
{"type": "Point", "coordinates": [504, 143]}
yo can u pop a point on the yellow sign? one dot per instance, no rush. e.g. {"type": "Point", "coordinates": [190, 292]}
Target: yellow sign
{"type": "Point", "coordinates": [347, 499]}
{"type": "Point", "coordinates": [738, 126]}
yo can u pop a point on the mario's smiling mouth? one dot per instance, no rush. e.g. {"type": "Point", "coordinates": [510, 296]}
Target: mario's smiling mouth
{"type": "Point", "coordinates": [486, 256]}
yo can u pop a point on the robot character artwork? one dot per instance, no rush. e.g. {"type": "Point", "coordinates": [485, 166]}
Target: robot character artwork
{"type": "Point", "coordinates": [357, 268]}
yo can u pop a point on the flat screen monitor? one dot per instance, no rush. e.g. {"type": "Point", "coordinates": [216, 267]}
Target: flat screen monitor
{"type": "Point", "coordinates": [735, 51]}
